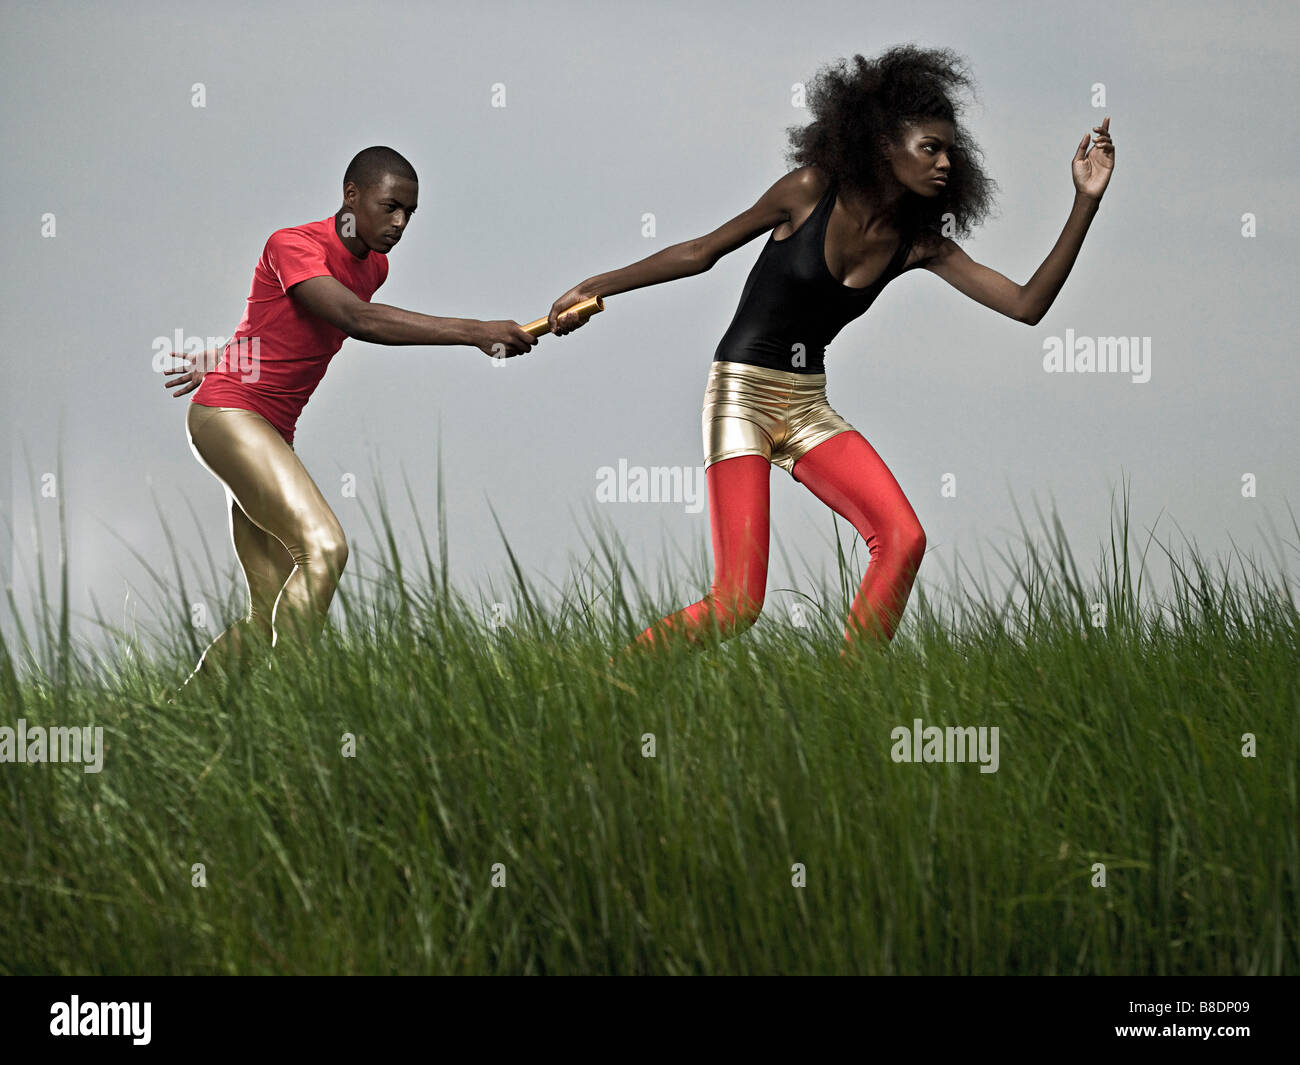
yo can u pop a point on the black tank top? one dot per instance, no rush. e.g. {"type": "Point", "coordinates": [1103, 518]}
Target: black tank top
{"type": "Point", "coordinates": [792, 298]}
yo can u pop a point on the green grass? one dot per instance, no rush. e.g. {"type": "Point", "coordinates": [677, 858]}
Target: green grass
{"type": "Point", "coordinates": [1119, 744]}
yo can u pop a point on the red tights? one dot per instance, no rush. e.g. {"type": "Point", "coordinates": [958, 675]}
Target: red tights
{"type": "Point", "coordinates": [847, 475]}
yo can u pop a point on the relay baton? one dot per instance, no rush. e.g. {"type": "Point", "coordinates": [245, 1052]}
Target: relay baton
{"type": "Point", "coordinates": [585, 310]}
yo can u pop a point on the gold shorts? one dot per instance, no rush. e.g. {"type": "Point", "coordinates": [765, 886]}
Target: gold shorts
{"type": "Point", "coordinates": [752, 410]}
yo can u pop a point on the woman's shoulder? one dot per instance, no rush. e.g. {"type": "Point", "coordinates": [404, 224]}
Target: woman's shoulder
{"type": "Point", "coordinates": [799, 191]}
{"type": "Point", "coordinates": [810, 181]}
{"type": "Point", "coordinates": [927, 246]}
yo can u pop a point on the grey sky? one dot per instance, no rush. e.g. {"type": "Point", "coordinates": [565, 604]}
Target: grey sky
{"type": "Point", "coordinates": [613, 111]}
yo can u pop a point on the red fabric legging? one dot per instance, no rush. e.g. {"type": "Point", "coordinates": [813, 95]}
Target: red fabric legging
{"type": "Point", "coordinates": [847, 475]}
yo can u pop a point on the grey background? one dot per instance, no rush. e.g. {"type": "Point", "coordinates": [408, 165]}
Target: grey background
{"type": "Point", "coordinates": [615, 110]}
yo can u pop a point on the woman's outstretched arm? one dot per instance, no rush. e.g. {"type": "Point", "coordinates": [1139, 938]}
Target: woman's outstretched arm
{"type": "Point", "coordinates": [1029, 302]}
{"type": "Point", "coordinates": [696, 256]}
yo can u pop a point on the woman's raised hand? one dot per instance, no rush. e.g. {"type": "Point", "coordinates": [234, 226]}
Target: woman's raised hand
{"type": "Point", "coordinates": [1093, 166]}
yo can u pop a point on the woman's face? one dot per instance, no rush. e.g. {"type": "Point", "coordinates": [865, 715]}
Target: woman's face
{"type": "Point", "coordinates": [921, 156]}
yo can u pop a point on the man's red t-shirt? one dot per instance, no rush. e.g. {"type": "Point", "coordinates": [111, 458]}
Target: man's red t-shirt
{"type": "Point", "coordinates": [280, 352]}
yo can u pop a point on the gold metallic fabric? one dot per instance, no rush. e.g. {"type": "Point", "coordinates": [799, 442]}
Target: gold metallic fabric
{"type": "Point", "coordinates": [289, 542]}
{"type": "Point", "coordinates": [754, 410]}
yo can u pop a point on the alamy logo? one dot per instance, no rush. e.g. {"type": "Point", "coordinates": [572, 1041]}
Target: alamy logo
{"type": "Point", "coordinates": [55, 744]}
{"type": "Point", "coordinates": [653, 484]}
{"type": "Point", "coordinates": [101, 1018]}
{"type": "Point", "coordinates": [1131, 355]}
{"type": "Point", "coordinates": [233, 355]}
{"type": "Point", "coordinates": [951, 744]}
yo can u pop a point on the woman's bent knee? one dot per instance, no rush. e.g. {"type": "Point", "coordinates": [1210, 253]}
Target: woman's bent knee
{"type": "Point", "coordinates": [912, 543]}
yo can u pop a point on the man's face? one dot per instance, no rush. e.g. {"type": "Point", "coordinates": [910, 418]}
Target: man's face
{"type": "Point", "coordinates": [382, 211]}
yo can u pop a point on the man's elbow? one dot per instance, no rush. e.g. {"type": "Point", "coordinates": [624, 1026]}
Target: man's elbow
{"type": "Point", "coordinates": [357, 322]}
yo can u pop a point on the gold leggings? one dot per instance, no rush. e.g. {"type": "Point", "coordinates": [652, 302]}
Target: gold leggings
{"type": "Point", "coordinates": [290, 545]}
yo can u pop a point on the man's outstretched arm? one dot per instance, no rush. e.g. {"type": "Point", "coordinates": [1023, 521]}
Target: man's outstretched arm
{"type": "Point", "coordinates": [378, 323]}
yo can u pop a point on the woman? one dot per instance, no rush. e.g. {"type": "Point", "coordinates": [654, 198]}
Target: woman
{"type": "Point", "coordinates": [882, 169]}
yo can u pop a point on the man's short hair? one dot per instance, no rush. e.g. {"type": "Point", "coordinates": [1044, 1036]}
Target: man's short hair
{"type": "Point", "coordinates": [369, 166]}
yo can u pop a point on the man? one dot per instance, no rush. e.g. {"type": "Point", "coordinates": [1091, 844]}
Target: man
{"type": "Point", "coordinates": [311, 289]}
